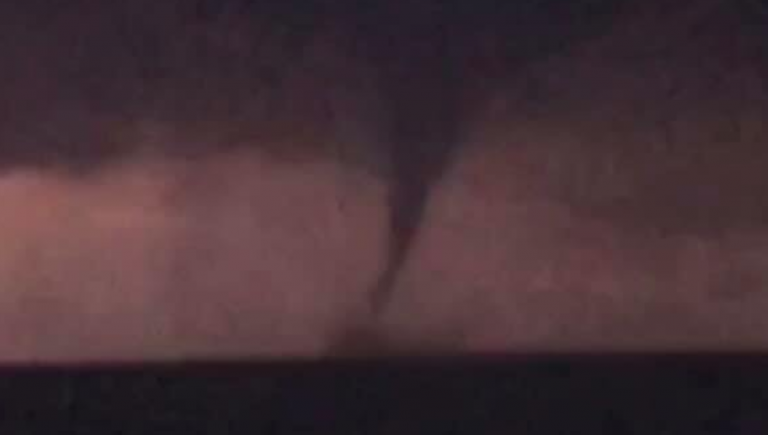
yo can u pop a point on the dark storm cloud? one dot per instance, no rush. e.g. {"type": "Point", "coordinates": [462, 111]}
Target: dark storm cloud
{"type": "Point", "coordinates": [80, 76]}
{"type": "Point", "coordinates": [77, 74]}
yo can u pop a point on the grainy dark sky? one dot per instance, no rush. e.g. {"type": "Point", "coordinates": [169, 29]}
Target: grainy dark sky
{"type": "Point", "coordinates": [75, 69]}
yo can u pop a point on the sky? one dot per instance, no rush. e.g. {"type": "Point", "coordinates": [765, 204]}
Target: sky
{"type": "Point", "coordinates": [201, 179]}
{"type": "Point", "coordinates": [199, 61]}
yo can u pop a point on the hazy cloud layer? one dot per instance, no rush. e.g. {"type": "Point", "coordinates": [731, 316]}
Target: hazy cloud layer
{"type": "Point", "coordinates": [228, 256]}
